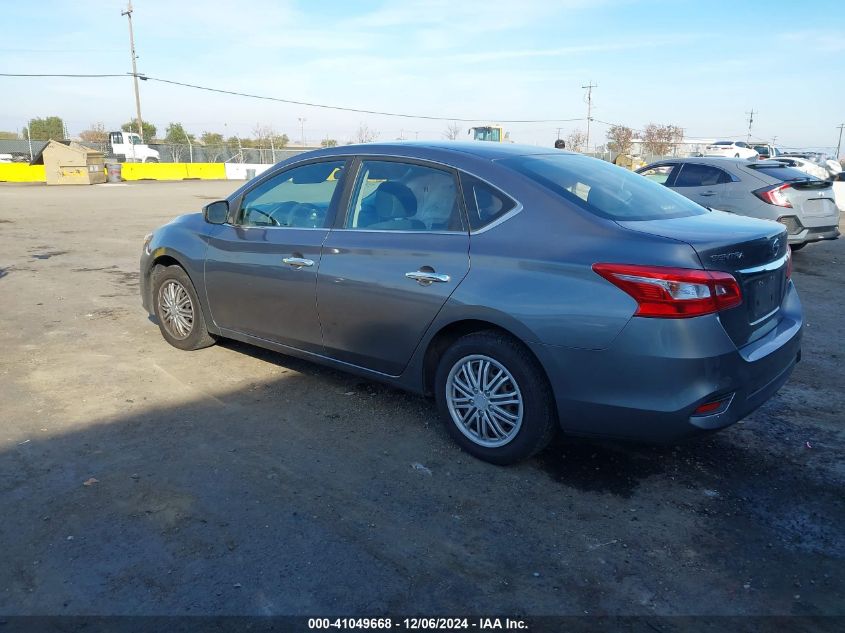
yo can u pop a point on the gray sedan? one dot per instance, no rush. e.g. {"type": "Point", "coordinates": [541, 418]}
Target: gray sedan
{"type": "Point", "coordinates": [760, 189]}
{"type": "Point", "coordinates": [527, 291]}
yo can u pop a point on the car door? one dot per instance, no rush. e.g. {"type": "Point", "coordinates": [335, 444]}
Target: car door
{"type": "Point", "coordinates": [705, 184]}
{"type": "Point", "coordinates": [261, 270]}
{"type": "Point", "coordinates": [393, 260]}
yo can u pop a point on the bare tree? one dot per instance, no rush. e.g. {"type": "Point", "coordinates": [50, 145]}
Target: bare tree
{"type": "Point", "coordinates": [453, 131]}
{"type": "Point", "coordinates": [659, 140]}
{"type": "Point", "coordinates": [95, 134]}
{"type": "Point", "coordinates": [620, 139]}
{"type": "Point", "coordinates": [365, 134]}
{"type": "Point", "coordinates": [576, 140]}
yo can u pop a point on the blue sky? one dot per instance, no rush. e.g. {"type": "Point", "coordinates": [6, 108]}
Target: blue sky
{"type": "Point", "coordinates": [699, 65]}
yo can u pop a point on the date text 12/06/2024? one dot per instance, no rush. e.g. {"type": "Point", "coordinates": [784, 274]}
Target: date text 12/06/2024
{"type": "Point", "coordinates": [418, 624]}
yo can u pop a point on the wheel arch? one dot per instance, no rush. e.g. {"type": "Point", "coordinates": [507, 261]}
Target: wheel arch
{"type": "Point", "coordinates": [167, 258]}
{"type": "Point", "coordinates": [450, 332]}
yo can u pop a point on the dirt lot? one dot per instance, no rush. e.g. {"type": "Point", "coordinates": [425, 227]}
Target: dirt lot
{"type": "Point", "coordinates": [237, 481]}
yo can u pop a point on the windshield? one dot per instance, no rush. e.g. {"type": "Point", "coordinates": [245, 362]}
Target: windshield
{"type": "Point", "coordinates": [487, 134]}
{"type": "Point", "coordinates": [604, 189]}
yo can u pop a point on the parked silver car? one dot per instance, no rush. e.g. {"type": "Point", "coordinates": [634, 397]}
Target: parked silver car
{"type": "Point", "coordinates": [525, 290]}
{"type": "Point", "coordinates": [769, 190]}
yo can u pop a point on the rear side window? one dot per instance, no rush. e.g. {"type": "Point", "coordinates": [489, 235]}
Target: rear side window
{"type": "Point", "coordinates": [484, 203]}
{"type": "Point", "coordinates": [397, 196]}
{"type": "Point", "coordinates": [695, 175]}
{"type": "Point", "coordinates": [604, 189]}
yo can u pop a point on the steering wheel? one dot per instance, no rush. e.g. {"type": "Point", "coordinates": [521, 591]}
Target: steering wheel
{"type": "Point", "coordinates": [305, 214]}
{"type": "Point", "coordinates": [271, 221]}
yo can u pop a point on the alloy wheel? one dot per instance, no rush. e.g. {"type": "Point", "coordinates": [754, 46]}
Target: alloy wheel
{"type": "Point", "coordinates": [176, 308]}
{"type": "Point", "coordinates": [484, 400]}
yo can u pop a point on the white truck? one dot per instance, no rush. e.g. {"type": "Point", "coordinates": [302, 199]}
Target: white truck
{"type": "Point", "coordinates": [127, 147]}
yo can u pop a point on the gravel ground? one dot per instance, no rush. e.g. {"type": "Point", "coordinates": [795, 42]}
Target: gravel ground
{"type": "Point", "coordinates": [138, 479]}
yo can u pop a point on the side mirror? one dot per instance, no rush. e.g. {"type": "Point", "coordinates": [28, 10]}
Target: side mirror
{"type": "Point", "coordinates": [216, 212]}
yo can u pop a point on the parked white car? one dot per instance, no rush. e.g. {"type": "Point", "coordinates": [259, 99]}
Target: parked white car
{"type": "Point", "coordinates": [6, 158]}
{"type": "Point", "coordinates": [730, 149]}
{"type": "Point", "coordinates": [802, 164]}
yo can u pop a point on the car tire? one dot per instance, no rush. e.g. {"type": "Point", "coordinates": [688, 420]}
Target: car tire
{"type": "Point", "coordinates": [178, 310]}
{"type": "Point", "coordinates": [151, 160]}
{"type": "Point", "coordinates": [498, 426]}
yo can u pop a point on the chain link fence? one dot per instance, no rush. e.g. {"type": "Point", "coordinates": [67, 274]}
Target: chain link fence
{"type": "Point", "coordinates": [19, 151]}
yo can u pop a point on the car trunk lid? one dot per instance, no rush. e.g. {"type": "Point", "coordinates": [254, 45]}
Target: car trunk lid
{"type": "Point", "coordinates": [753, 251]}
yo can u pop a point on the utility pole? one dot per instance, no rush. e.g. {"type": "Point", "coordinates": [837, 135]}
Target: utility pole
{"type": "Point", "coordinates": [839, 144]}
{"type": "Point", "coordinates": [128, 14]}
{"type": "Point", "coordinates": [558, 133]}
{"type": "Point", "coordinates": [589, 88]}
{"type": "Point", "coordinates": [301, 130]}
{"type": "Point", "coordinates": [750, 123]}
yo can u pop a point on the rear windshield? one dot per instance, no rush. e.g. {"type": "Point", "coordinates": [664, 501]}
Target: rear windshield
{"type": "Point", "coordinates": [723, 143]}
{"type": "Point", "coordinates": [604, 189]}
{"type": "Point", "coordinates": [782, 172]}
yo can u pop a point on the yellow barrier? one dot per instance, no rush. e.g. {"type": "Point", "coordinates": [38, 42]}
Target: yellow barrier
{"type": "Point", "coordinates": [21, 172]}
{"type": "Point", "coordinates": [173, 171]}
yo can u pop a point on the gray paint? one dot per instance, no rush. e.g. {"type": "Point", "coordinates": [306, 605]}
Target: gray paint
{"type": "Point", "coordinates": [612, 374]}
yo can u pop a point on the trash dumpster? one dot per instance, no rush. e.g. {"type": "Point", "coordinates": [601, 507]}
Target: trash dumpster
{"type": "Point", "coordinates": [69, 163]}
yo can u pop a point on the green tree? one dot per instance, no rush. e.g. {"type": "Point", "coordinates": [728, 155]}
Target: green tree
{"type": "Point", "coordinates": [45, 129]}
{"type": "Point", "coordinates": [149, 129]}
{"type": "Point", "coordinates": [280, 140]}
{"type": "Point", "coordinates": [211, 138]}
{"type": "Point", "coordinates": [178, 139]}
{"type": "Point", "coordinates": [9, 136]}
{"type": "Point", "coordinates": [175, 133]}
{"type": "Point", "coordinates": [328, 142]}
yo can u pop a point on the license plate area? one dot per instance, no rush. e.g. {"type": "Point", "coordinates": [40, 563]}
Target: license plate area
{"type": "Point", "coordinates": [763, 292]}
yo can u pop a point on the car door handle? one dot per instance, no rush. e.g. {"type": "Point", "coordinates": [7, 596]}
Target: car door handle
{"type": "Point", "coordinates": [707, 194]}
{"type": "Point", "coordinates": [425, 278]}
{"type": "Point", "coordinates": [298, 262]}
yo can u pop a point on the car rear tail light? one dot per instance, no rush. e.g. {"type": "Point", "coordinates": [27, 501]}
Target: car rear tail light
{"type": "Point", "coordinates": [774, 195]}
{"type": "Point", "coordinates": [673, 293]}
{"type": "Point", "coordinates": [713, 407]}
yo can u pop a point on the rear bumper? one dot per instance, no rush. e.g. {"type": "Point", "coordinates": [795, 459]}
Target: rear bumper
{"type": "Point", "coordinates": [799, 233]}
{"type": "Point", "coordinates": [648, 384]}
{"type": "Point", "coordinates": [816, 234]}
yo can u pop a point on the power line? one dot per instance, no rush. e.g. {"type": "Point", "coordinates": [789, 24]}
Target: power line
{"type": "Point", "coordinates": [236, 93]}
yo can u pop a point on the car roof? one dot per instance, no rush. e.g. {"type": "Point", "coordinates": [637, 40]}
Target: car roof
{"type": "Point", "coordinates": [718, 160]}
{"type": "Point", "coordinates": [438, 149]}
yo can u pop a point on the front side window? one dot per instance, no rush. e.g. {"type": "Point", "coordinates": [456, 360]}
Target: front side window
{"type": "Point", "coordinates": [603, 189]}
{"type": "Point", "coordinates": [659, 173]}
{"type": "Point", "coordinates": [297, 198]}
{"type": "Point", "coordinates": [395, 196]}
{"type": "Point", "coordinates": [695, 175]}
